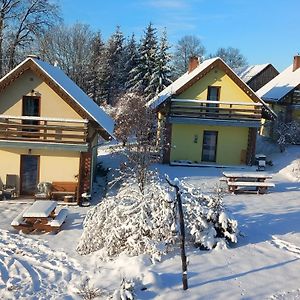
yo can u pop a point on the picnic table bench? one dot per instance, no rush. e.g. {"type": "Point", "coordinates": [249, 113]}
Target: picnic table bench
{"type": "Point", "coordinates": [40, 216]}
{"type": "Point", "coordinates": [247, 181]}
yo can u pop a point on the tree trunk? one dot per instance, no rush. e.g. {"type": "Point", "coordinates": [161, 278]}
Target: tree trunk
{"type": "Point", "coordinates": [182, 236]}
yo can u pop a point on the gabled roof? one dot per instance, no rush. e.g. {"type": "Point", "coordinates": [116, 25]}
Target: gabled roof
{"type": "Point", "coordinates": [248, 72]}
{"type": "Point", "coordinates": [281, 85]}
{"type": "Point", "coordinates": [179, 83]}
{"type": "Point", "coordinates": [188, 79]}
{"type": "Point", "coordinates": [56, 78]}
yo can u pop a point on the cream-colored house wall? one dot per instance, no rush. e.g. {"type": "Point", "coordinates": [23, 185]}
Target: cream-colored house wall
{"type": "Point", "coordinates": [51, 105]}
{"type": "Point", "coordinates": [54, 165]}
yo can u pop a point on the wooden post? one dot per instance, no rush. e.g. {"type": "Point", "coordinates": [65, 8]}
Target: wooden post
{"type": "Point", "coordinates": [182, 236]}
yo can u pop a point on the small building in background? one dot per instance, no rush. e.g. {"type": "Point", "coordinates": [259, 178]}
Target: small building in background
{"type": "Point", "coordinates": [283, 95]}
{"type": "Point", "coordinates": [256, 76]}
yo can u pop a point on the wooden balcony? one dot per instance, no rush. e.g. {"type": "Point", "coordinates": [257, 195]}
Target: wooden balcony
{"type": "Point", "coordinates": [43, 130]}
{"type": "Point", "coordinates": [215, 112]}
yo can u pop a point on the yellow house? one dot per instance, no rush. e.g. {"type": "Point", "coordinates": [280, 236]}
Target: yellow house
{"type": "Point", "coordinates": [209, 116]}
{"type": "Point", "coordinates": [49, 128]}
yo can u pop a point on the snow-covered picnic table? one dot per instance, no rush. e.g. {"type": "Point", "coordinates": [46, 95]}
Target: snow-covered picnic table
{"type": "Point", "coordinates": [40, 209]}
{"type": "Point", "coordinates": [40, 216]}
{"type": "Point", "coordinates": [246, 181]}
{"type": "Point", "coordinates": [247, 175]}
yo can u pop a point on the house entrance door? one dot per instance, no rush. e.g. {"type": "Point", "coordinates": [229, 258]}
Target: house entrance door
{"type": "Point", "coordinates": [29, 174]}
{"type": "Point", "coordinates": [209, 146]}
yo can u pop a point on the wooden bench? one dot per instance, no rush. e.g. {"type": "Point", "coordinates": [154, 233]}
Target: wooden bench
{"type": "Point", "coordinates": [59, 219]}
{"type": "Point", "coordinates": [260, 187]}
{"type": "Point", "coordinates": [19, 223]}
{"type": "Point", "coordinates": [60, 189]}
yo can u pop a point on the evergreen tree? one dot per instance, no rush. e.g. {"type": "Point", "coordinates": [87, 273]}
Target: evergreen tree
{"type": "Point", "coordinates": [162, 72]}
{"type": "Point", "coordinates": [131, 60]}
{"type": "Point", "coordinates": [142, 74]}
{"type": "Point", "coordinates": [114, 67]}
{"type": "Point", "coordinates": [96, 70]}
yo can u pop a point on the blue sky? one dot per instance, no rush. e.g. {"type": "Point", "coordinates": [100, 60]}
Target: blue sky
{"type": "Point", "coordinates": [264, 30]}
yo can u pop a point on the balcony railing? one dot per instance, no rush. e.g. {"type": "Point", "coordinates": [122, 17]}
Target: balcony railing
{"type": "Point", "coordinates": [41, 129]}
{"type": "Point", "coordinates": [215, 110]}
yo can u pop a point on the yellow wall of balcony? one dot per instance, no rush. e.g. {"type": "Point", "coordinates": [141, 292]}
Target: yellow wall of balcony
{"type": "Point", "coordinates": [229, 92]}
{"type": "Point", "coordinates": [54, 165]}
{"type": "Point", "coordinates": [52, 105]}
{"type": "Point", "coordinates": [187, 143]}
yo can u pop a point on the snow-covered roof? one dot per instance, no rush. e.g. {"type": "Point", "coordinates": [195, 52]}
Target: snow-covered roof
{"type": "Point", "coordinates": [73, 90]}
{"type": "Point", "coordinates": [281, 85]}
{"type": "Point", "coordinates": [179, 83]}
{"type": "Point", "coordinates": [248, 72]}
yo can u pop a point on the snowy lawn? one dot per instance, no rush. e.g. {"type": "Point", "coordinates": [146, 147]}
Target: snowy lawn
{"type": "Point", "coordinates": [264, 264]}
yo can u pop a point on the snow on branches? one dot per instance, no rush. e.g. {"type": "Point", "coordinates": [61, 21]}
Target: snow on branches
{"type": "Point", "coordinates": [136, 222]}
{"type": "Point", "coordinates": [131, 222]}
{"type": "Point", "coordinates": [207, 223]}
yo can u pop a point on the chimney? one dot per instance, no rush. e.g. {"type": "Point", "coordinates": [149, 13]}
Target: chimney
{"type": "Point", "coordinates": [296, 64]}
{"type": "Point", "coordinates": [32, 56]}
{"type": "Point", "coordinates": [194, 63]}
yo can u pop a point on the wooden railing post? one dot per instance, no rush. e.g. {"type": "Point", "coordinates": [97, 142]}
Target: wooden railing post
{"type": "Point", "coordinates": [45, 130]}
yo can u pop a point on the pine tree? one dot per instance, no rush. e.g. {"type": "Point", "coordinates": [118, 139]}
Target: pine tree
{"type": "Point", "coordinates": [162, 72]}
{"type": "Point", "coordinates": [142, 74]}
{"type": "Point", "coordinates": [96, 71]}
{"type": "Point", "coordinates": [131, 60]}
{"type": "Point", "coordinates": [114, 67]}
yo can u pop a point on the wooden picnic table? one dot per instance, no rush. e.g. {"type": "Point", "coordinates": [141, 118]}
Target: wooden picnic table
{"type": "Point", "coordinates": [246, 181]}
{"type": "Point", "coordinates": [40, 216]}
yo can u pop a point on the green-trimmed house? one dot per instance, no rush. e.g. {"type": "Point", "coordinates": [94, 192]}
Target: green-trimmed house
{"type": "Point", "coordinates": [209, 116]}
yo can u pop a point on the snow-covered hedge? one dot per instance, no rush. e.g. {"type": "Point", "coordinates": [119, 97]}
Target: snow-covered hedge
{"type": "Point", "coordinates": [146, 223]}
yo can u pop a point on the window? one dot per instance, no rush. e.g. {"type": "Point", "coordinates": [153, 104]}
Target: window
{"type": "Point", "coordinates": [213, 94]}
{"type": "Point", "coordinates": [31, 108]}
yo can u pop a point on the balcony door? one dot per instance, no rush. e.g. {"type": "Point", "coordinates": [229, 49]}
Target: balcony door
{"type": "Point", "coordinates": [30, 108]}
{"type": "Point", "coordinates": [213, 94]}
{"type": "Point", "coordinates": [29, 174]}
{"type": "Point", "coordinates": [209, 146]}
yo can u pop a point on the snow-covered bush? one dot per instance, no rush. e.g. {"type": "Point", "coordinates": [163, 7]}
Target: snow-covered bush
{"type": "Point", "coordinates": [206, 221]}
{"type": "Point", "coordinates": [287, 133]}
{"type": "Point", "coordinates": [88, 292]}
{"type": "Point", "coordinates": [132, 222]}
{"type": "Point", "coordinates": [136, 222]}
{"type": "Point", "coordinates": [126, 290]}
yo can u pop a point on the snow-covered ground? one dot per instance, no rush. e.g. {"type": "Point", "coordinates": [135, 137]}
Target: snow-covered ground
{"type": "Point", "coordinates": [264, 264]}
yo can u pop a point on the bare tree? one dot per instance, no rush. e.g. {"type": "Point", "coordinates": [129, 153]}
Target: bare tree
{"type": "Point", "coordinates": [70, 48]}
{"type": "Point", "coordinates": [136, 121]}
{"type": "Point", "coordinates": [31, 17]}
{"type": "Point", "coordinates": [187, 46]}
{"type": "Point", "coordinates": [8, 11]}
{"type": "Point", "coordinates": [232, 56]}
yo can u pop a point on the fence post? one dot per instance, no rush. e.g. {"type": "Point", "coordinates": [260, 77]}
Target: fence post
{"type": "Point", "coordinates": [182, 235]}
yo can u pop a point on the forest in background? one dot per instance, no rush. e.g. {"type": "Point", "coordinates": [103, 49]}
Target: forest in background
{"type": "Point", "coordinates": [104, 69]}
